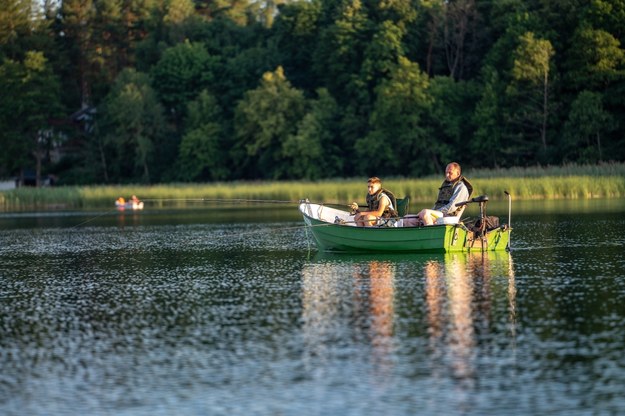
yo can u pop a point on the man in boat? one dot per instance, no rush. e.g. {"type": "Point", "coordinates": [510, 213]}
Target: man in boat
{"type": "Point", "coordinates": [381, 205]}
{"type": "Point", "coordinates": [455, 188]}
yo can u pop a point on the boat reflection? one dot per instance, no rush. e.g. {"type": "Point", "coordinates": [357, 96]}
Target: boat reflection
{"type": "Point", "coordinates": [461, 296]}
{"type": "Point", "coordinates": [349, 300]}
{"type": "Point", "coordinates": [449, 301]}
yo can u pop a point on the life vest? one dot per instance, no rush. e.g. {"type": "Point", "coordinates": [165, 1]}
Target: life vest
{"type": "Point", "coordinates": [373, 203]}
{"type": "Point", "coordinates": [447, 190]}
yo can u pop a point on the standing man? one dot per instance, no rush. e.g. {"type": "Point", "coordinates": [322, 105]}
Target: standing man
{"type": "Point", "coordinates": [380, 204]}
{"type": "Point", "coordinates": [456, 188]}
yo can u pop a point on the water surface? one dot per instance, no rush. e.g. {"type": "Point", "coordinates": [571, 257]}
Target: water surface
{"type": "Point", "coordinates": [197, 312]}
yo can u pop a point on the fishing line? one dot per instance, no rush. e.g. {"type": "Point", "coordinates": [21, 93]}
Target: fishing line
{"type": "Point", "coordinates": [93, 218]}
{"type": "Point", "coordinates": [244, 200]}
{"type": "Point", "coordinates": [225, 200]}
{"type": "Point", "coordinates": [269, 201]}
{"type": "Point", "coordinates": [231, 200]}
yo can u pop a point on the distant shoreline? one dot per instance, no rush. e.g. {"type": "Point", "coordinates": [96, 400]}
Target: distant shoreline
{"type": "Point", "coordinates": [523, 184]}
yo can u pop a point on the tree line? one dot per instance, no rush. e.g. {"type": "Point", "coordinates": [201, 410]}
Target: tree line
{"type": "Point", "coordinates": [114, 91]}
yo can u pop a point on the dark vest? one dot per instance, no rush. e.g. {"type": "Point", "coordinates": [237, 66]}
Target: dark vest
{"type": "Point", "coordinates": [373, 203]}
{"type": "Point", "coordinates": [446, 191]}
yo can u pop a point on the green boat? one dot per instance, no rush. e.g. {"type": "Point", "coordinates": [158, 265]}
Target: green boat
{"type": "Point", "coordinates": [334, 230]}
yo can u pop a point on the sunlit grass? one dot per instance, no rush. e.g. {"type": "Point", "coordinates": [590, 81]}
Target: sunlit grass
{"type": "Point", "coordinates": [568, 182]}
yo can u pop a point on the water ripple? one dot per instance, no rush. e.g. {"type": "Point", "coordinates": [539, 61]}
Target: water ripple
{"type": "Point", "coordinates": [242, 319]}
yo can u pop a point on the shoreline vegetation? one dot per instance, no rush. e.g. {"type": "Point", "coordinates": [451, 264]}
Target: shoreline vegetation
{"type": "Point", "coordinates": [563, 182]}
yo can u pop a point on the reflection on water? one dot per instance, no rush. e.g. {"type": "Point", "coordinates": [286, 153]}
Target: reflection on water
{"type": "Point", "coordinates": [363, 307]}
{"type": "Point", "coordinates": [458, 292]}
{"type": "Point", "coordinates": [459, 301]}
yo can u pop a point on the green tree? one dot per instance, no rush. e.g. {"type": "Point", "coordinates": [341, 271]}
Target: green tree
{"type": "Point", "coordinates": [460, 20]}
{"type": "Point", "coordinates": [179, 20]}
{"type": "Point", "coordinates": [295, 33]}
{"type": "Point", "coordinates": [178, 11]}
{"type": "Point", "coordinates": [398, 142]}
{"type": "Point", "coordinates": [382, 53]}
{"type": "Point", "coordinates": [202, 154]}
{"type": "Point", "coordinates": [595, 60]}
{"type": "Point", "coordinates": [26, 25]}
{"type": "Point", "coordinates": [608, 15]}
{"type": "Point", "coordinates": [30, 93]}
{"type": "Point", "coordinates": [131, 127]}
{"type": "Point", "coordinates": [264, 120]}
{"type": "Point", "coordinates": [183, 71]}
{"type": "Point", "coordinates": [237, 11]}
{"type": "Point", "coordinates": [23, 27]}
{"type": "Point", "coordinates": [358, 49]}
{"type": "Point", "coordinates": [313, 152]}
{"type": "Point", "coordinates": [530, 85]}
{"type": "Point", "coordinates": [14, 153]}
{"type": "Point", "coordinates": [339, 53]}
{"type": "Point", "coordinates": [100, 37]}
{"type": "Point", "coordinates": [449, 121]}
{"type": "Point", "coordinates": [487, 143]}
{"type": "Point", "coordinates": [587, 123]}
{"type": "Point", "coordinates": [77, 28]}
{"type": "Point", "coordinates": [265, 11]}
{"type": "Point", "coordinates": [241, 74]}
{"type": "Point", "coordinates": [450, 38]}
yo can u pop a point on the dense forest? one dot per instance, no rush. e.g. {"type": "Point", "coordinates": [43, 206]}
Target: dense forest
{"type": "Point", "coordinates": [118, 91]}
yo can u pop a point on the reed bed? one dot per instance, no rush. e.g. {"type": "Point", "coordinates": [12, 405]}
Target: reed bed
{"type": "Point", "coordinates": [523, 184]}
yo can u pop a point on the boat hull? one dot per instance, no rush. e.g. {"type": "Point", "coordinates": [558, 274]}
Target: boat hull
{"type": "Point", "coordinates": [129, 205]}
{"type": "Point", "coordinates": [436, 238]}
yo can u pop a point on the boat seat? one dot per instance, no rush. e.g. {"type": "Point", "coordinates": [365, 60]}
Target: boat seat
{"type": "Point", "coordinates": [452, 219]}
{"type": "Point", "coordinates": [402, 206]}
{"type": "Point", "coordinates": [447, 220]}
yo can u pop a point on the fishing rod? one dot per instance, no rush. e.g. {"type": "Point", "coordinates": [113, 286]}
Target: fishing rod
{"type": "Point", "coordinates": [223, 200]}
{"type": "Point", "coordinates": [242, 200]}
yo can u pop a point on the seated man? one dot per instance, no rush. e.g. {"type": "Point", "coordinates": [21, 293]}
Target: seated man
{"type": "Point", "coordinates": [380, 204]}
{"type": "Point", "coordinates": [456, 188]}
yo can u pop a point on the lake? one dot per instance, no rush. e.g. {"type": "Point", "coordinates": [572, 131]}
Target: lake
{"type": "Point", "coordinates": [231, 311]}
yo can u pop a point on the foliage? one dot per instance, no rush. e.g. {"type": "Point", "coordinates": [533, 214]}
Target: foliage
{"type": "Point", "coordinates": [265, 119]}
{"type": "Point", "coordinates": [30, 93]}
{"type": "Point", "coordinates": [201, 151]}
{"type": "Point", "coordinates": [311, 148]}
{"type": "Point", "coordinates": [190, 90]}
{"type": "Point", "coordinates": [530, 88]}
{"type": "Point", "coordinates": [588, 122]}
{"type": "Point", "coordinates": [182, 72]}
{"type": "Point", "coordinates": [132, 127]}
{"type": "Point", "coordinates": [397, 135]}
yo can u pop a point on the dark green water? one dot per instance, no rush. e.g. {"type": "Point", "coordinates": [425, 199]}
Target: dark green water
{"type": "Point", "coordinates": [206, 312]}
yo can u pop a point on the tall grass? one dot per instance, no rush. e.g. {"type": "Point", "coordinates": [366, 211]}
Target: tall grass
{"type": "Point", "coordinates": [602, 169]}
{"type": "Point", "coordinates": [566, 182]}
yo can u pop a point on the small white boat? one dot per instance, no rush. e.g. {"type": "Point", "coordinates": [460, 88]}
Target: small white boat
{"type": "Point", "coordinates": [129, 205]}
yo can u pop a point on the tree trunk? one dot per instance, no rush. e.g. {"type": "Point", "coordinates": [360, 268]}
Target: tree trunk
{"type": "Point", "coordinates": [38, 158]}
{"type": "Point", "coordinates": [103, 159]}
{"type": "Point", "coordinates": [543, 133]}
